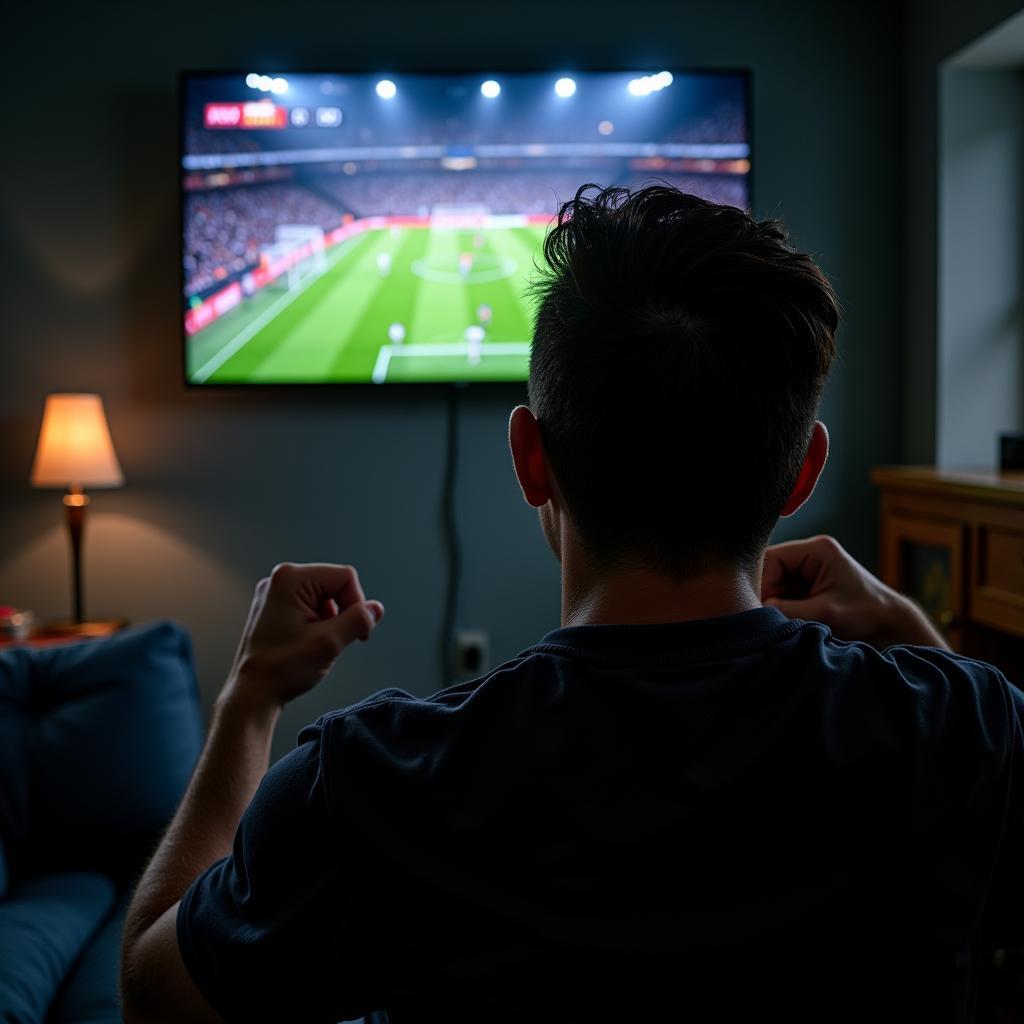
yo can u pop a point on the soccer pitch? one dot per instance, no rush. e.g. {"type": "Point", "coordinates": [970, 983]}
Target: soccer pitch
{"type": "Point", "coordinates": [334, 325]}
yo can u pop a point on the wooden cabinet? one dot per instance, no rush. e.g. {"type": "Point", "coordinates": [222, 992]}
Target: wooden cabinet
{"type": "Point", "coordinates": [998, 590]}
{"type": "Point", "coordinates": [955, 543]}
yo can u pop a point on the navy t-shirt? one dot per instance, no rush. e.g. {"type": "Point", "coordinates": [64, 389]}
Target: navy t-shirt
{"type": "Point", "coordinates": [734, 819]}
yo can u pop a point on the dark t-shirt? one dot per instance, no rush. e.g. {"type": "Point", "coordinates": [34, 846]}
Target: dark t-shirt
{"type": "Point", "coordinates": [733, 819]}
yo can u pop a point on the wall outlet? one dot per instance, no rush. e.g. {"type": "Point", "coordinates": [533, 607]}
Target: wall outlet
{"type": "Point", "coordinates": [472, 653]}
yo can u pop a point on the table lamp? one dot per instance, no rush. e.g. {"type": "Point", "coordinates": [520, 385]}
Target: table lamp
{"type": "Point", "coordinates": [75, 451]}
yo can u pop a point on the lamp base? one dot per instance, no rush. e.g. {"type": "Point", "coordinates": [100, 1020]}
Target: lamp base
{"type": "Point", "coordinates": [95, 628]}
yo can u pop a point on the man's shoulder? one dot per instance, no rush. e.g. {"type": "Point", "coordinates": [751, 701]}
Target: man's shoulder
{"type": "Point", "coordinates": [960, 682]}
{"type": "Point", "coordinates": [925, 667]}
{"type": "Point", "coordinates": [946, 674]}
{"type": "Point", "coordinates": [398, 750]}
{"type": "Point", "coordinates": [394, 705]}
{"type": "Point", "coordinates": [929, 695]}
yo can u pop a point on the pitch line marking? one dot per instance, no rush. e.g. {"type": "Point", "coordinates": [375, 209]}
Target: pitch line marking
{"type": "Point", "coordinates": [222, 355]}
{"type": "Point", "coordinates": [451, 348]}
{"type": "Point", "coordinates": [380, 368]}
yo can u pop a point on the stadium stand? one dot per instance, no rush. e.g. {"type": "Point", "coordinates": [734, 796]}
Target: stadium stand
{"type": "Point", "coordinates": [728, 189]}
{"type": "Point", "coordinates": [392, 195]}
{"type": "Point", "coordinates": [225, 228]}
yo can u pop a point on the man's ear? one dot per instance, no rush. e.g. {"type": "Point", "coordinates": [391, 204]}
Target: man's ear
{"type": "Point", "coordinates": [528, 456]}
{"type": "Point", "coordinates": [814, 463]}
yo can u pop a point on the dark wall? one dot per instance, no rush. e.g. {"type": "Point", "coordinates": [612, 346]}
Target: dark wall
{"type": "Point", "coordinates": [221, 485]}
{"type": "Point", "coordinates": [934, 30]}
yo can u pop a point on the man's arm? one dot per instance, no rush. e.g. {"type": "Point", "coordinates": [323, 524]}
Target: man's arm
{"type": "Point", "coordinates": [302, 617]}
{"type": "Point", "coordinates": [816, 579]}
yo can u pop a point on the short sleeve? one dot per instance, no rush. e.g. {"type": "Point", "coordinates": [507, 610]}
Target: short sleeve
{"type": "Point", "coordinates": [1003, 921]}
{"type": "Point", "coordinates": [274, 931]}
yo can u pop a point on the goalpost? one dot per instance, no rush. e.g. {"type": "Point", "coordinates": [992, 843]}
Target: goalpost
{"type": "Point", "coordinates": [298, 251]}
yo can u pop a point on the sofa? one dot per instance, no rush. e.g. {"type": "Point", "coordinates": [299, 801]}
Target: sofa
{"type": "Point", "coordinates": [98, 739]}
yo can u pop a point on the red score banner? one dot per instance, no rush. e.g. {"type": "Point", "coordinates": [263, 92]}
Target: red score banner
{"type": "Point", "coordinates": [255, 114]}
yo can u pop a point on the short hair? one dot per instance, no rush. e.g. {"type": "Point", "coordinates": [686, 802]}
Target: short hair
{"type": "Point", "coordinates": [680, 349]}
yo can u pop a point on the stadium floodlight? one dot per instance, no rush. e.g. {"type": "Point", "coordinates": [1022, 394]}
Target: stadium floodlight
{"type": "Point", "coordinates": [279, 86]}
{"type": "Point", "coordinates": [490, 88]}
{"type": "Point", "coordinates": [606, 127]}
{"type": "Point", "coordinates": [565, 87]}
{"type": "Point", "coordinates": [265, 83]}
{"type": "Point", "coordinates": [386, 89]}
{"type": "Point", "coordinates": [650, 83]}
{"type": "Point", "coordinates": [252, 80]}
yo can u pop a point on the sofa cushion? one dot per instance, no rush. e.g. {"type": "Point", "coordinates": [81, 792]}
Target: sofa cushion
{"type": "Point", "coordinates": [45, 924]}
{"type": "Point", "coordinates": [97, 741]}
{"type": "Point", "coordinates": [90, 994]}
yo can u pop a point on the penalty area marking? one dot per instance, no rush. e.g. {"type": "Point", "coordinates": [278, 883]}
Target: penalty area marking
{"type": "Point", "coordinates": [222, 355]}
{"type": "Point", "coordinates": [451, 348]}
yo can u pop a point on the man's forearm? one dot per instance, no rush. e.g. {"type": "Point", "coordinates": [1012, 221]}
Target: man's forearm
{"type": "Point", "coordinates": [301, 618]}
{"type": "Point", "coordinates": [234, 760]}
{"type": "Point", "coordinates": [908, 624]}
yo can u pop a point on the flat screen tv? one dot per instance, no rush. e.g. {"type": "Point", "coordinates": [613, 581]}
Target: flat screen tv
{"type": "Point", "coordinates": [381, 228]}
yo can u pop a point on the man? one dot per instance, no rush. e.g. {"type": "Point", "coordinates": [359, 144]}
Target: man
{"type": "Point", "coordinates": [687, 803]}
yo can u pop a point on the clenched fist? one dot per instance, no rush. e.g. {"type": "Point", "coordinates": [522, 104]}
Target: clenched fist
{"type": "Point", "coordinates": [816, 579]}
{"type": "Point", "coordinates": [302, 617]}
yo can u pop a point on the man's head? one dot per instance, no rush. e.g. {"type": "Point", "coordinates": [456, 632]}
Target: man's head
{"type": "Point", "coordinates": [678, 359]}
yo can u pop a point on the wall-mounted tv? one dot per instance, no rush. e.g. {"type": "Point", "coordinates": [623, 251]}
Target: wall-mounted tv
{"type": "Point", "coordinates": [381, 228]}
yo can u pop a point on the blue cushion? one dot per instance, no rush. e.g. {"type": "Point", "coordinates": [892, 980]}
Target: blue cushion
{"type": "Point", "coordinates": [44, 926]}
{"type": "Point", "coordinates": [97, 742]}
{"type": "Point", "coordinates": [90, 994]}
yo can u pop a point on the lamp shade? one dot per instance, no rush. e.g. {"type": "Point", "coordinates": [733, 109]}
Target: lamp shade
{"type": "Point", "coordinates": [74, 445]}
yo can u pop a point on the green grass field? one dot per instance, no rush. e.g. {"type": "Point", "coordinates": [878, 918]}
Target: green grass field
{"type": "Point", "coordinates": [334, 325]}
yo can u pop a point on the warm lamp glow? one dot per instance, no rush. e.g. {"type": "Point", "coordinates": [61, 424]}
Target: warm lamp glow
{"type": "Point", "coordinates": [74, 448]}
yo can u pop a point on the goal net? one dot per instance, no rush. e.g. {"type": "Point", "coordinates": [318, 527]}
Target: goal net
{"type": "Point", "coordinates": [298, 251]}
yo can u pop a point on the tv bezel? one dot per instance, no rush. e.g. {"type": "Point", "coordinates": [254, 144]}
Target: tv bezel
{"type": "Point", "coordinates": [406, 387]}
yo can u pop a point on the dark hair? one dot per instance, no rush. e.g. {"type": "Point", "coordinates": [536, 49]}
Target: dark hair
{"type": "Point", "coordinates": [679, 353]}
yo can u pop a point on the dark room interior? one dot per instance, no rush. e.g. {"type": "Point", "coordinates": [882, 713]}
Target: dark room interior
{"type": "Point", "coordinates": [889, 139]}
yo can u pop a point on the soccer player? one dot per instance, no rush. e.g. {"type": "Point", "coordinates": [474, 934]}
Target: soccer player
{"type": "Point", "coordinates": [738, 782]}
{"type": "Point", "coordinates": [484, 313]}
{"type": "Point", "coordinates": [383, 263]}
{"type": "Point", "coordinates": [465, 264]}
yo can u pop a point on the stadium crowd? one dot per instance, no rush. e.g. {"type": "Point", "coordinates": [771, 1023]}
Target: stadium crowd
{"type": "Point", "coordinates": [395, 194]}
{"type": "Point", "coordinates": [727, 189]}
{"type": "Point", "coordinates": [226, 228]}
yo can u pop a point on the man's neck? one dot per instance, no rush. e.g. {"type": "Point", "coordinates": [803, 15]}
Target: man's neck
{"type": "Point", "coordinates": [635, 596]}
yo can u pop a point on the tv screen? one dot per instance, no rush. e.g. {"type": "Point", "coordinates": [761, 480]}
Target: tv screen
{"type": "Point", "coordinates": [379, 229]}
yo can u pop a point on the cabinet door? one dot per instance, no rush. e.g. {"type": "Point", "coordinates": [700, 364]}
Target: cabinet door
{"type": "Point", "coordinates": [924, 559]}
{"type": "Point", "coordinates": [997, 589]}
